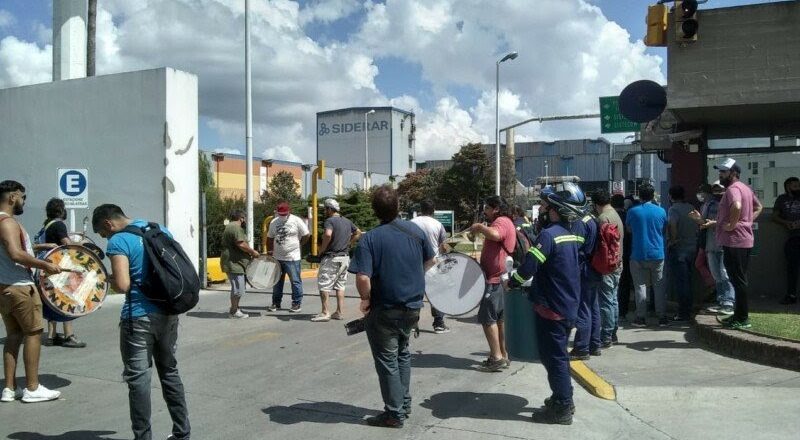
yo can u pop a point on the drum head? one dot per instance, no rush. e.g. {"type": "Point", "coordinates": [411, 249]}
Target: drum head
{"type": "Point", "coordinates": [263, 272]}
{"type": "Point", "coordinates": [455, 285]}
{"type": "Point", "coordinates": [81, 288]}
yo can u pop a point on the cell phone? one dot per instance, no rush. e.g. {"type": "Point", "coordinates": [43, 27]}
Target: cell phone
{"type": "Point", "coordinates": [355, 326]}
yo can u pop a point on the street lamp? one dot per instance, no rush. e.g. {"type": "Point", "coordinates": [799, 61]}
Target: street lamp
{"type": "Point", "coordinates": [306, 168]}
{"type": "Point", "coordinates": [509, 56]}
{"type": "Point", "coordinates": [366, 150]}
{"type": "Point", "coordinates": [545, 173]}
{"type": "Point", "coordinates": [218, 157]}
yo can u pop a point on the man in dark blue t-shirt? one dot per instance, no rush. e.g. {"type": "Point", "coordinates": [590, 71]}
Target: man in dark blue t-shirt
{"type": "Point", "coordinates": [390, 263]}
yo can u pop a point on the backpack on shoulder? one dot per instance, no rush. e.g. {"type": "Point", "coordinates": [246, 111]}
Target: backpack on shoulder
{"type": "Point", "coordinates": [524, 238]}
{"type": "Point", "coordinates": [607, 256]}
{"type": "Point", "coordinates": [172, 282]}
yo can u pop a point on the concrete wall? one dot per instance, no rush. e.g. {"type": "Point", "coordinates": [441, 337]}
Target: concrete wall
{"type": "Point", "coordinates": [743, 55]}
{"type": "Point", "coordinates": [135, 132]}
{"type": "Point", "coordinates": [402, 144]}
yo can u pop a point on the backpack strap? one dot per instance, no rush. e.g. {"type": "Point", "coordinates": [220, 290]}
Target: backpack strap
{"type": "Point", "coordinates": [407, 232]}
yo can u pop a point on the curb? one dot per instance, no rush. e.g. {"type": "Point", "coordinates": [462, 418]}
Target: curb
{"type": "Point", "coordinates": [591, 381]}
{"type": "Point", "coordinates": [749, 346]}
{"type": "Point", "coordinates": [308, 273]}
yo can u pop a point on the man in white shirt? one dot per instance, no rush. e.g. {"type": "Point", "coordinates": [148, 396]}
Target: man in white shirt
{"type": "Point", "coordinates": [434, 231]}
{"type": "Point", "coordinates": [287, 233]}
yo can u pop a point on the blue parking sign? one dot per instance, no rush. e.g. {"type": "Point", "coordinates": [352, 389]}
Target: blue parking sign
{"type": "Point", "coordinates": [73, 187]}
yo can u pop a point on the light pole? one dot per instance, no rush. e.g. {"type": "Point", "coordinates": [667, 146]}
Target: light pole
{"type": "Point", "coordinates": [366, 150]}
{"type": "Point", "coordinates": [545, 173]}
{"type": "Point", "coordinates": [509, 56]}
{"type": "Point", "coordinates": [248, 125]}
{"type": "Point", "coordinates": [306, 168]}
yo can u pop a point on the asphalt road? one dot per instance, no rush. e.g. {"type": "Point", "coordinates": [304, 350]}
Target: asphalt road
{"type": "Point", "coordinates": [278, 375]}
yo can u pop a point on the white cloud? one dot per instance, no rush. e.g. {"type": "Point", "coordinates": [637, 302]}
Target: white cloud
{"type": "Point", "coordinates": [281, 152]}
{"type": "Point", "coordinates": [23, 63]}
{"type": "Point", "coordinates": [227, 150]}
{"type": "Point", "coordinates": [328, 10]}
{"type": "Point", "coordinates": [6, 19]}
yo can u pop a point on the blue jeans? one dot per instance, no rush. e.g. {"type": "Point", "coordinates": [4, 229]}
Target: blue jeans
{"type": "Point", "coordinates": [681, 262]}
{"type": "Point", "coordinates": [292, 268]}
{"type": "Point", "coordinates": [609, 310]}
{"type": "Point", "coordinates": [552, 337]}
{"type": "Point", "coordinates": [388, 333]}
{"type": "Point", "coordinates": [716, 266]}
{"type": "Point", "coordinates": [142, 341]}
{"type": "Point", "coordinates": [587, 334]}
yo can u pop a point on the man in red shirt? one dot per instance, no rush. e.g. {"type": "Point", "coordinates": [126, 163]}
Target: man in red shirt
{"type": "Point", "coordinates": [499, 242]}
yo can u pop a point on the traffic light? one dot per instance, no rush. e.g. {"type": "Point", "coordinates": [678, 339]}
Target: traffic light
{"type": "Point", "coordinates": [686, 24]}
{"type": "Point", "coordinates": [656, 26]}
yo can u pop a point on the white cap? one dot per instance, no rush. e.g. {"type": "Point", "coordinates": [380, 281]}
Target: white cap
{"type": "Point", "coordinates": [725, 165]}
{"type": "Point", "coordinates": [332, 204]}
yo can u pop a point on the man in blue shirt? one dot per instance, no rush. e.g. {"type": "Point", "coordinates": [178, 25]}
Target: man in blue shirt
{"type": "Point", "coordinates": [146, 333]}
{"type": "Point", "coordinates": [556, 291]}
{"type": "Point", "coordinates": [390, 263]}
{"type": "Point", "coordinates": [647, 223]}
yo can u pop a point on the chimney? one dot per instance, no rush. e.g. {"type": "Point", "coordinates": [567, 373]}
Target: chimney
{"type": "Point", "coordinates": [69, 39]}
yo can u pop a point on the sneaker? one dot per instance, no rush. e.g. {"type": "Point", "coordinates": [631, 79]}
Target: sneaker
{"type": "Point", "coordinates": [441, 328]}
{"type": "Point", "coordinates": [296, 308]}
{"type": "Point", "coordinates": [492, 365]}
{"type": "Point", "coordinates": [726, 310]}
{"type": "Point", "coordinates": [678, 319]}
{"type": "Point", "coordinates": [639, 322]}
{"type": "Point", "coordinates": [595, 352]}
{"type": "Point", "coordinates": [789, 299]}
{"type": "Point", "coordinates": [238, 315]}
{"type": "Point", "coordinates": [735, 324]}
{"type": "Point", "coordinates": [553, 415]}
{"type": "Point", "coordinates": [337, 316]}
{"type": "Point", "coordinates": [10, 395]}
{"type": "Point", "coordinates": [58, 340]}
{"type": "Point", "coordinates": [714, 309]}
{"type": "Point", "coordinates": [40, 394]}
{"type": "Point", "coordinates": [273, 308]}
{"type": "Point", "coordinates": [321, 317]}
{"type": "Point", "coordinates": [606, 344]}
{"type": "Point", "coordinates": [663, 321]}
{"type": "Point", "coordinates": [575, 356]}
{"type": "Point", "coordinates": [73, 342]}
{"type": "Point", "coordinates": [384, 420]}
{"type": "Point", "coordinates": [614, 338]}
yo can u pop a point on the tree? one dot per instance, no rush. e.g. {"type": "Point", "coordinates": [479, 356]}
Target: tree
{"type": "Point", "coordinates": [467, 183]}
{"type": "Point", "coordinates": [418, 186]}
{"type": "Point", "coordinates": [357, 206]}
{"type": "Point", "coordinates": [283, 187]}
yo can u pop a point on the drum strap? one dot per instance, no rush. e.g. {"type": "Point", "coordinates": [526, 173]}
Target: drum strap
{"type": "Point", "coordinates": [407, 232]}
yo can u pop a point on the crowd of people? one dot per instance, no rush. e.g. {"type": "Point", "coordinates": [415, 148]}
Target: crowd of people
{"type": "Point", "coordinates": [582, 263]}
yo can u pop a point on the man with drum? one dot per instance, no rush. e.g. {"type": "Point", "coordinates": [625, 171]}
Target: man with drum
{"type": "Point", "coordinates": [287, 234]}
{"type": "Point", "coordinates": [390, 263]}
{"type": "Point", "coordinates": [340, 234]}
{"type": "Point", "coordinates": [147, 335]}
{"type": "Point", "coordinates": [436, 234]}
{"type": "Point", "coordinates": [500, 238]}
{"type": "Point", "coordinates": [236, 254]}
{"type": "Point", "coordinates": [20, 304]}
{"type": "Point", "coordinates": [553, 260]}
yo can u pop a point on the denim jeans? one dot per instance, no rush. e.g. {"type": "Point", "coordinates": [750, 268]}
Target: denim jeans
{"type": "Point", "coordinates": [649, 273]}
{"type": "Point", "coordinates": [681, 262]}
{"type": "Point", "coordinates": [292, 268]}
{"type": "Point", "coordinates": [609, 310]}
{"type": "Point", "coordinates": [724, 288]}
{"type": "Point", "coordinates": [438, 317]}
{"type": "Point", "coordinates": [388, 333]}
{"type": "Point", "coordinates": [142, 341]}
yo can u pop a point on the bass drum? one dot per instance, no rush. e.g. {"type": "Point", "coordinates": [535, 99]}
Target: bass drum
{"type": "Point", "coordinates": [77, 291]}
{"type": "Point", "coordinates": [455, 285]}
{"type": "Point", "coordinates": [263, 272]}
{"type": "Point", "coordinates": [82, 239]}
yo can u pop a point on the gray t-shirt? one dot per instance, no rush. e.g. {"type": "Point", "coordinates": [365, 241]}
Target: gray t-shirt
{"type": "Point", "coordinates": [433, 229]}
{"type": "Point", "coordinates": [343, 230]}
{"type": "Point", "coordinates": [687, 228]}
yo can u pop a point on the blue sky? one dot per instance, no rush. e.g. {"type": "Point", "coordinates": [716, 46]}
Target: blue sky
{"type": "Point", "coordinates": [434, 57]}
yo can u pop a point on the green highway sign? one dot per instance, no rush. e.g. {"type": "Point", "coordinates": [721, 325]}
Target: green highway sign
{"type": "Point", "coordinates": [611, 120]}
{"type": "Point", "coordinates": [447, 219]}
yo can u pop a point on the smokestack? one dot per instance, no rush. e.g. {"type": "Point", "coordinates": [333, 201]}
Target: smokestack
{"type": "Point", "coordinates": [69, 39]}
{"type": "Point", "coordinates": [90, 43]}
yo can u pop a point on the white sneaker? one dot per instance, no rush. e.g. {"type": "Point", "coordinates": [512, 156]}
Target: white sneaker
{"type": "Point", "coordinates": [41, 394]}
{"type": "Point", "coordinates": [10, 395]}
{"type": "Point", "coordinates": [321, 317]}
{"type": "Point", "coordinates": [239, 315]}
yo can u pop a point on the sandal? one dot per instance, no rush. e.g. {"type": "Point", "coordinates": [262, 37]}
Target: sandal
{"type": "Point", "coordinates": [321, 317]}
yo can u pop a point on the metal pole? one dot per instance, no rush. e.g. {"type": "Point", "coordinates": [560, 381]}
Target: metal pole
{"type": "Point", "coordinates": [366, 153]}
{"type": "Point", "coordinates": [497, 129]}
{"type": "Point", "coordinates": [203, 242]}
{"type": "Point", "coordinates": [248, 124]}
{"type": "Point", "coordinates": [610, 167]}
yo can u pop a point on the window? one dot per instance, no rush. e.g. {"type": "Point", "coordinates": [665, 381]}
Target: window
{"type": "Point", "coordinates": [765, 181]}
{"type": "Point", "coordinates": [727, 144]}
{"type": "Point", "coordinates": [755, 168]}
{"type": "Point", "coordinates": [772, 164]}
{"type": "Point", "coordinates": [775, 189]}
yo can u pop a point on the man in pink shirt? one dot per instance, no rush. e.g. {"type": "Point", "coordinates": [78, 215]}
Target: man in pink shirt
{"type": "Point", "coordinates": [738, 209]}
{"type": "Point", "coordinates": [499, 241]}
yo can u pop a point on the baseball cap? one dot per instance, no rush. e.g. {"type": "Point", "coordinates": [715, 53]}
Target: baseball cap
{"type": "Point", "coordinates": [332, 204]}
{"type": "Point", "coordinates": [727, 164]}
{"type": "Point", "coordinates": [717, 187]}
{"type": "Point", "coordinates": [283, 208]}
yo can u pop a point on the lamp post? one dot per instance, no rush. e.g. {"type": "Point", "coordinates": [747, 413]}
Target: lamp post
{"type": "Point", "coordinates": [366, 150]}
{"type": "Point", "coordinates": [306, 168]}
{"type": "Point", "coordinates": [248, 125]}
{"type": "Point", "coordinates": [509, 56]}
{"type": "Point", "coordinates": [267, 163]}
{"type": "Point", "coordinates": [545, 173]}
{"type": "Point", "coordinates": [218, 157]}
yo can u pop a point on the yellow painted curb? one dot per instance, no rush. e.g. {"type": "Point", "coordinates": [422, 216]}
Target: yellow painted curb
{"type": "Point", "coordinates": [308, 273]}
{"type": "Point", "coordinates": [590, 380]}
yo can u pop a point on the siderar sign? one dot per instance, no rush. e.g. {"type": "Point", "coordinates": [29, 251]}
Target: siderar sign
{"type": "Point", "coordinates": [351, 127]}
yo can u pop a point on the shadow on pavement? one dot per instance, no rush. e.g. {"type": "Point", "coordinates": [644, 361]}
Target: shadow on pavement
{"type": "Point", "coordinates": [318, 412]}
{"type": "Point", "coordinates": [49, 380]}
{"type": "Point", "coordinates": [208, 315]}
{"type": "Point", "coordinates": [72, 435]}
{"type": "Point", "coordinates": [491, 406]}
{"type": "Point", "coordinates": [437, 360]}
{"type": "Point", "coordinates": [294, 317]}
{"type": "Point", "coordinates": [652, 345]}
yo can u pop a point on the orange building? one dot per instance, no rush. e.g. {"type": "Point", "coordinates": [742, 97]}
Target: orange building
{"type": "Point", "coordinates": [229, 173]}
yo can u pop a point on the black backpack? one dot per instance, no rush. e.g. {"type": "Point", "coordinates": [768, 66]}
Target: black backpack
{"type": "Point", "coordinates": [524, 238]}
{"type": "Point", "coordinates": [172, 282]}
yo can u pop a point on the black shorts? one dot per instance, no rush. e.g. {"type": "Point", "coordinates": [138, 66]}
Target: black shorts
{"type": "Point", "coordinates": [492, 304]}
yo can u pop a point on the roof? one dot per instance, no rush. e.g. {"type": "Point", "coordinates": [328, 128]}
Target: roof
{"type": "Point", "coordinates": [364, 109]}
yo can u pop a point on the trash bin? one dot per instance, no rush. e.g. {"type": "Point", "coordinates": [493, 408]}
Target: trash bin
{"type": "Point", "coordinates": [520, 326]}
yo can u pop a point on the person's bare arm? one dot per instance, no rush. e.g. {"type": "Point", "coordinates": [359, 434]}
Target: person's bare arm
{"type": "Point", "coordinates": [757, 208]}
{"type": "Point", "coordinates": [270, 245]}
{"type": "Point", "coordinates": [10, 240]}
{"type": "Point", "coordinates": [121, 275]}
{"type": "Point", "coordinates": [243, 245]}
{"type": "Point", "coordinates": [364, 287]}
{"type": "Point", "coordinates": [429, 264]}
{"type": "Point", "coordinates": [326, 241]}
{"type": "Point", "coordinates": [489, 232]}
{"type": "Point", "coordinates": [355, 237]}
{"type": "Point", "coordinates": [735, 216]}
